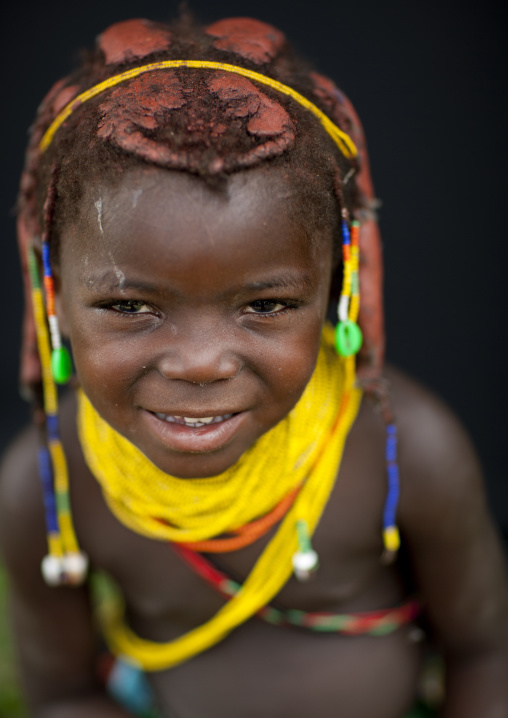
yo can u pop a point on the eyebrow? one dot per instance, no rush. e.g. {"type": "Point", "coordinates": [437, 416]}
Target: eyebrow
{"type": "Point", "coordinates": [282, 281]}
{"type": "Point", "coordinates": [111, 282]}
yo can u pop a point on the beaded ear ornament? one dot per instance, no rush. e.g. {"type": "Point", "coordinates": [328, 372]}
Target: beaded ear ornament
{"type": "Point", "coordinates": [65, 563]}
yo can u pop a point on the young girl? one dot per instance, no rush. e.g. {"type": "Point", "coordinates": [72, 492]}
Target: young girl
{"type": "Point", "coordinates": [196, 203]}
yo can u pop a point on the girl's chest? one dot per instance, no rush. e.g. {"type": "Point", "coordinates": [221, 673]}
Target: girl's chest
{"type": "Point", "coordinates": [263, 669]}
{"type": "Point", "coordinates": [167, 595]}
{"type": "Point", "coordinates": [159, 586]}
{"type": "Point", "coordinates": [259, 668]}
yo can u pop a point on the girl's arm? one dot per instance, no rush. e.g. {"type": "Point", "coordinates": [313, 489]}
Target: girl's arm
{"type": "Point", "coordinates": [55, 636]}
{"type": "Point", "coordinates": [456, 555]}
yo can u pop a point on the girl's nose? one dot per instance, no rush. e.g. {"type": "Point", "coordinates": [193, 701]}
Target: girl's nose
{"type": "Point", "coordinates": [199, 357]}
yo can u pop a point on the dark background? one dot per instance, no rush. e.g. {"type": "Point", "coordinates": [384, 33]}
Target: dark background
{"type": "Point", "coordinates": [428, 80]}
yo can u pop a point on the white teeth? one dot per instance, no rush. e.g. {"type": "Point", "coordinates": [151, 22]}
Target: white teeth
{"type": "Point", "coordinates": [195, 422]}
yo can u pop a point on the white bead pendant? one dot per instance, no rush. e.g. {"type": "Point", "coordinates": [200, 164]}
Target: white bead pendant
{"type": "Point", "coordinates": [75, 568]}
{"type": "Point", "coordinates": [52, 568]}
{"type": "Point", "coordinates": [305, 563]}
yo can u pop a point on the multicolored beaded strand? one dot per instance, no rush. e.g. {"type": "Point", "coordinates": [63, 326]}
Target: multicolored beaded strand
{"type": "Point", "coordinates": [375, 623]}
{"type": "Point", "coordinates": [61, 365]}
{"type": "Point", "coordinates": [348, 341]}
{"type": "Point", "coordinates": [64, 564]}
{"type": "Point", "coordinates": [348, 335]}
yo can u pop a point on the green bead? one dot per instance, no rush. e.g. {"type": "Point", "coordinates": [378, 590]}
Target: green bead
{"type": "Point", "coordinates": [348, 338]}
{"type": "Point", "coordinates": [63, 502]}
{"type": "Point", "coordinates": [61, 365]}
{"type": "Point", "coordinates": [302, 533]}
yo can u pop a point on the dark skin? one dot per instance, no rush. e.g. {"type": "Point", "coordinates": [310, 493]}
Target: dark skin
{"type": "Point", "coordinates": [226, 316]}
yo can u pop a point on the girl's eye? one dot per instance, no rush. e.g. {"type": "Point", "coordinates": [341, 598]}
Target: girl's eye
{"type": "Point", "coordinates": [266, 306]}
{"type": "Point", "coordinates": [130, 306]}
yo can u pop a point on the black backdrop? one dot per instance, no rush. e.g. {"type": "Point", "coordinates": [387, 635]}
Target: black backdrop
{"type": "Point", "coordinates": [428, 80]}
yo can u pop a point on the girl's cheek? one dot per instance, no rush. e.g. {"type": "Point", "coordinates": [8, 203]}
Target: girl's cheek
{"type": "Point", "coordinates": [291, 367]}
{"type": "Point", "coordinates": [97, 361]}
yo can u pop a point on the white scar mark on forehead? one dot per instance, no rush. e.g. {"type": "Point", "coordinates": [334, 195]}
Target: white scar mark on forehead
{"type": "Point", "coordinates": [135, 196]}
{"type": "Point", "coordinates": [98, 207]}
{"type": "Point", "coordinates": [118, 272]}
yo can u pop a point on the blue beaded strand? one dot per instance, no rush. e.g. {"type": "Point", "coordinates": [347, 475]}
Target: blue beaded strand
{"type": "Point", "coordinates": [52, 427]}
{"type": "Point", "coordinates": [390, 530]}
{"type": "Point", "coordinates": [46, 263]}
{"type": "Point", "coordinates": [48, 491]}
{"type": "Point", "coordinates": [346, 236]}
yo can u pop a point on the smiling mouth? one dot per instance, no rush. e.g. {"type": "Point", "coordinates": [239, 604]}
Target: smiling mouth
{"type": "Point", "coordinates": [193, 422]}
{"type": "Point", "coordinates": [195, 434]}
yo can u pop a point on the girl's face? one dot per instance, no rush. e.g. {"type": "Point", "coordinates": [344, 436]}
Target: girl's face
{"type": "Point", "coordinates": [194, 316]}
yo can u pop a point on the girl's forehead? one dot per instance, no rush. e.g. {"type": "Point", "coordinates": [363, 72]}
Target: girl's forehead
{"type": "Point", "coordinates": [171, 214]}
{"type": "Point", "coordinates": [155, 186]}
{"type": "Point", "coordinates": [264, 199]}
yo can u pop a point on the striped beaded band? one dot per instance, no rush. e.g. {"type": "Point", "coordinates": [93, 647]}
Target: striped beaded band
{"type": "Point", "coordinates": [374, 623]}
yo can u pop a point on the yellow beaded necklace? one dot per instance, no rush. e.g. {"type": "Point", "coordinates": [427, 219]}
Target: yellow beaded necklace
{"type": "Point", "coordinates": [304, 448]}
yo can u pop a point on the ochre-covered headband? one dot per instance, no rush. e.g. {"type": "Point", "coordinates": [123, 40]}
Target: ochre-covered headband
{"type": "Point", "coordinates": [341, 139]}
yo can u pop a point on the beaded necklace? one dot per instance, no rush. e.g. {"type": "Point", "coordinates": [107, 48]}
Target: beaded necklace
{"type": "Point", "coordinates": [164, 507]}
{"type": "Point", "coordinates": [373, 623]}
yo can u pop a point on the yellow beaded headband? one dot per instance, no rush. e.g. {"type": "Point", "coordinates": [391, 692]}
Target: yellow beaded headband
{"type": "Point", "coordinates": [341, 139]}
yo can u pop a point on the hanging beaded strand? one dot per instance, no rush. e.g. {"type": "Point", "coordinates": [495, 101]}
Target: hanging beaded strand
{"type": "Point", "coordinates": [61, 365]}
{"type": "Point", "coordinates": [64, 564]}
{"type": "Point", "coordinates": [391, 537]}
{"type": "Point", "coordinates": [52, 563]}
{"type": "Point", "coordinates": [348, 340]}
{"type": "Point", "coordinates": [305, 560]}
{"type": "Point", "coordinates": [348, 335]}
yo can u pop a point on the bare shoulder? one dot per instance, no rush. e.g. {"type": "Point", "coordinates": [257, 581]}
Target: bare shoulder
{"type": "Point", "coordinates": [22, 519]}
{"type": "Point", "coordinates": [20, 458]}
{"type": "Point", "coordinates": [437, 457]}
{"type": "Point", "coordinates": [21, 508]}
{"type": "Point", "coordinates": [56, 640]}
{"type": "Point", "coordinates": [446, 525]}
